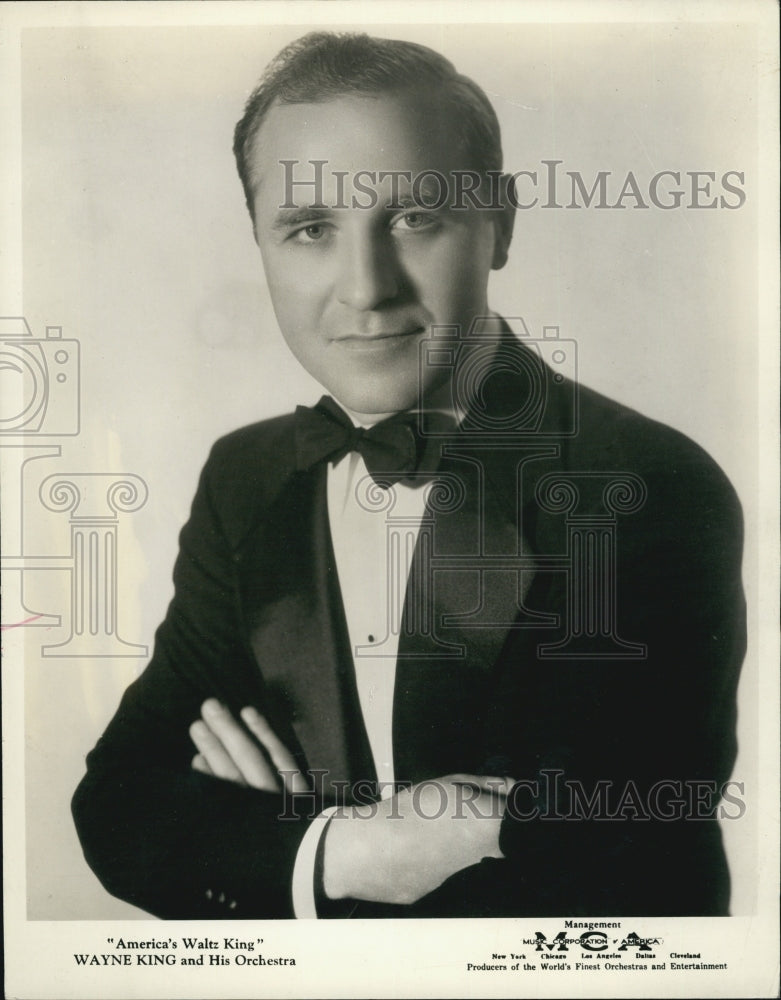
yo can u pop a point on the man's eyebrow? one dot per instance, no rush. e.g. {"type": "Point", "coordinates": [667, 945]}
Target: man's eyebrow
{"type": "Point", "coordinates": [288, 217]}
{"type": "Point", "coordinates": [425, 200]}
{"type": "Point", "coordinates": [428, 192]}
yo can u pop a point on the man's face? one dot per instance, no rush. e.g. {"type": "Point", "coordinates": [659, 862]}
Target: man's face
{"type": "Point", "coordinates": [356, 289]}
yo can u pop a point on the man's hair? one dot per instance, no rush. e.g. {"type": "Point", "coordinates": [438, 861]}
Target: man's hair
{"type": "Point", "coordinates": [321, 66]}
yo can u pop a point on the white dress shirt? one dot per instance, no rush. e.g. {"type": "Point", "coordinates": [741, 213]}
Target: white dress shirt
{"type": "Point", "coordinates": [373, 531]}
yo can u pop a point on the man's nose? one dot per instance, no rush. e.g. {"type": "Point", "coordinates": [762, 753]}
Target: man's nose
{"type": "Point", "coordinates": [369, 273]}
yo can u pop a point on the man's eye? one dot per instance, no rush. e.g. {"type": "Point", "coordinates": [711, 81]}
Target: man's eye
{"type": "Point", "coordinates": [310, 234]}
{"type": "Point", "coordinates": [414, 220]}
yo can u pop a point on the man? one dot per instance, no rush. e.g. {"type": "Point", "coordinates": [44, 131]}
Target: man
{"type": "Point", "coordinates": [512, 690]}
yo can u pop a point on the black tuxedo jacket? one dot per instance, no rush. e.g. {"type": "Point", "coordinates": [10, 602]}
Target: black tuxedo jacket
{"type": "Point", "coordinates": [621, 736]}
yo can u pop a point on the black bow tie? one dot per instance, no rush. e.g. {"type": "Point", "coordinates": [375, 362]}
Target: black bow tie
{"type": "Point", "coordinates": [391, 449]}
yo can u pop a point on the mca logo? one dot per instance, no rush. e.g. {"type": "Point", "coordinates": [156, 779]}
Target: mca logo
{"type": "Point", "coordinates": [594, 941]}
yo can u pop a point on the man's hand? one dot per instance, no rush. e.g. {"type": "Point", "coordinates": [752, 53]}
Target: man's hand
{"type": "Point", "coordinates": [393, 851]}
{"type": "Point", "coordinates": [400, 849]}
{"type": "Point", "coordinates": [251, 756]}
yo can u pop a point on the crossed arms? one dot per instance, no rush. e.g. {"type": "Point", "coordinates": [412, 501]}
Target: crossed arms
{"type": "Point", "coordinates": [396, 852]}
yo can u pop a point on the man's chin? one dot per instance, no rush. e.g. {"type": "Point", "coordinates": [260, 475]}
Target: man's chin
{"type": "Point", "coordinates": [370, 411]}
{"type": "Point", "coordinates": [374, 403]}
{"type": "Point", "coordinates": [376, 395]}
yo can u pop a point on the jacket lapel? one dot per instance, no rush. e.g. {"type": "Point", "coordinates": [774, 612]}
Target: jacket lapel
{"type": "Point", "coordinates": [468, 602]}
{"type": "Point", "coordinates": [295, 622]}
{"type": "Point", "coordinates": [447, 674]}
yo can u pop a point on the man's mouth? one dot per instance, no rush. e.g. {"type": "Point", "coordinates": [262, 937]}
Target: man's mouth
{"type": "Point", "coordinates": [378, 338]}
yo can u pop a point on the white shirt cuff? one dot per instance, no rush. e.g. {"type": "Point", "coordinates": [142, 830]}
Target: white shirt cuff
{"type": "Point", "coordinates": [304, 906]}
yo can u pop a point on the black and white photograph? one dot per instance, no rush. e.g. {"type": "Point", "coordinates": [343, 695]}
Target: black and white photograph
{"type": "Point", "coordinates": [389, 457]}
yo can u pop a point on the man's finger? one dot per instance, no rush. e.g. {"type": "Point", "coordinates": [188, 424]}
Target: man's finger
{"type": "Point", "coordinates": [200, 763]}
{"type": "Point", "coordinates": [485, 782]}
{"type": "Point", "coordinates": [281, 757]}
{"type": "Point", "coordinates": [214, 753]}
{"type": "Point", "coordinates": [243, 752]}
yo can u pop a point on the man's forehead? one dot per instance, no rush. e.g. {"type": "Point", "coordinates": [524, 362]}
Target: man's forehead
{"type": "Point", "coordinates": [356, 132]}
{"type": "Point", "coordinates": [403, 105]}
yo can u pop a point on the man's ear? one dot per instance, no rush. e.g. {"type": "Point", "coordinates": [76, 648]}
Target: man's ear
{"type": "Point", "coordinates": [503, 221]}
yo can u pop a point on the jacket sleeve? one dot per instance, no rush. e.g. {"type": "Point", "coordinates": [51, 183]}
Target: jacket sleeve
{"type": "Point", "coordinates": [157, 834]}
